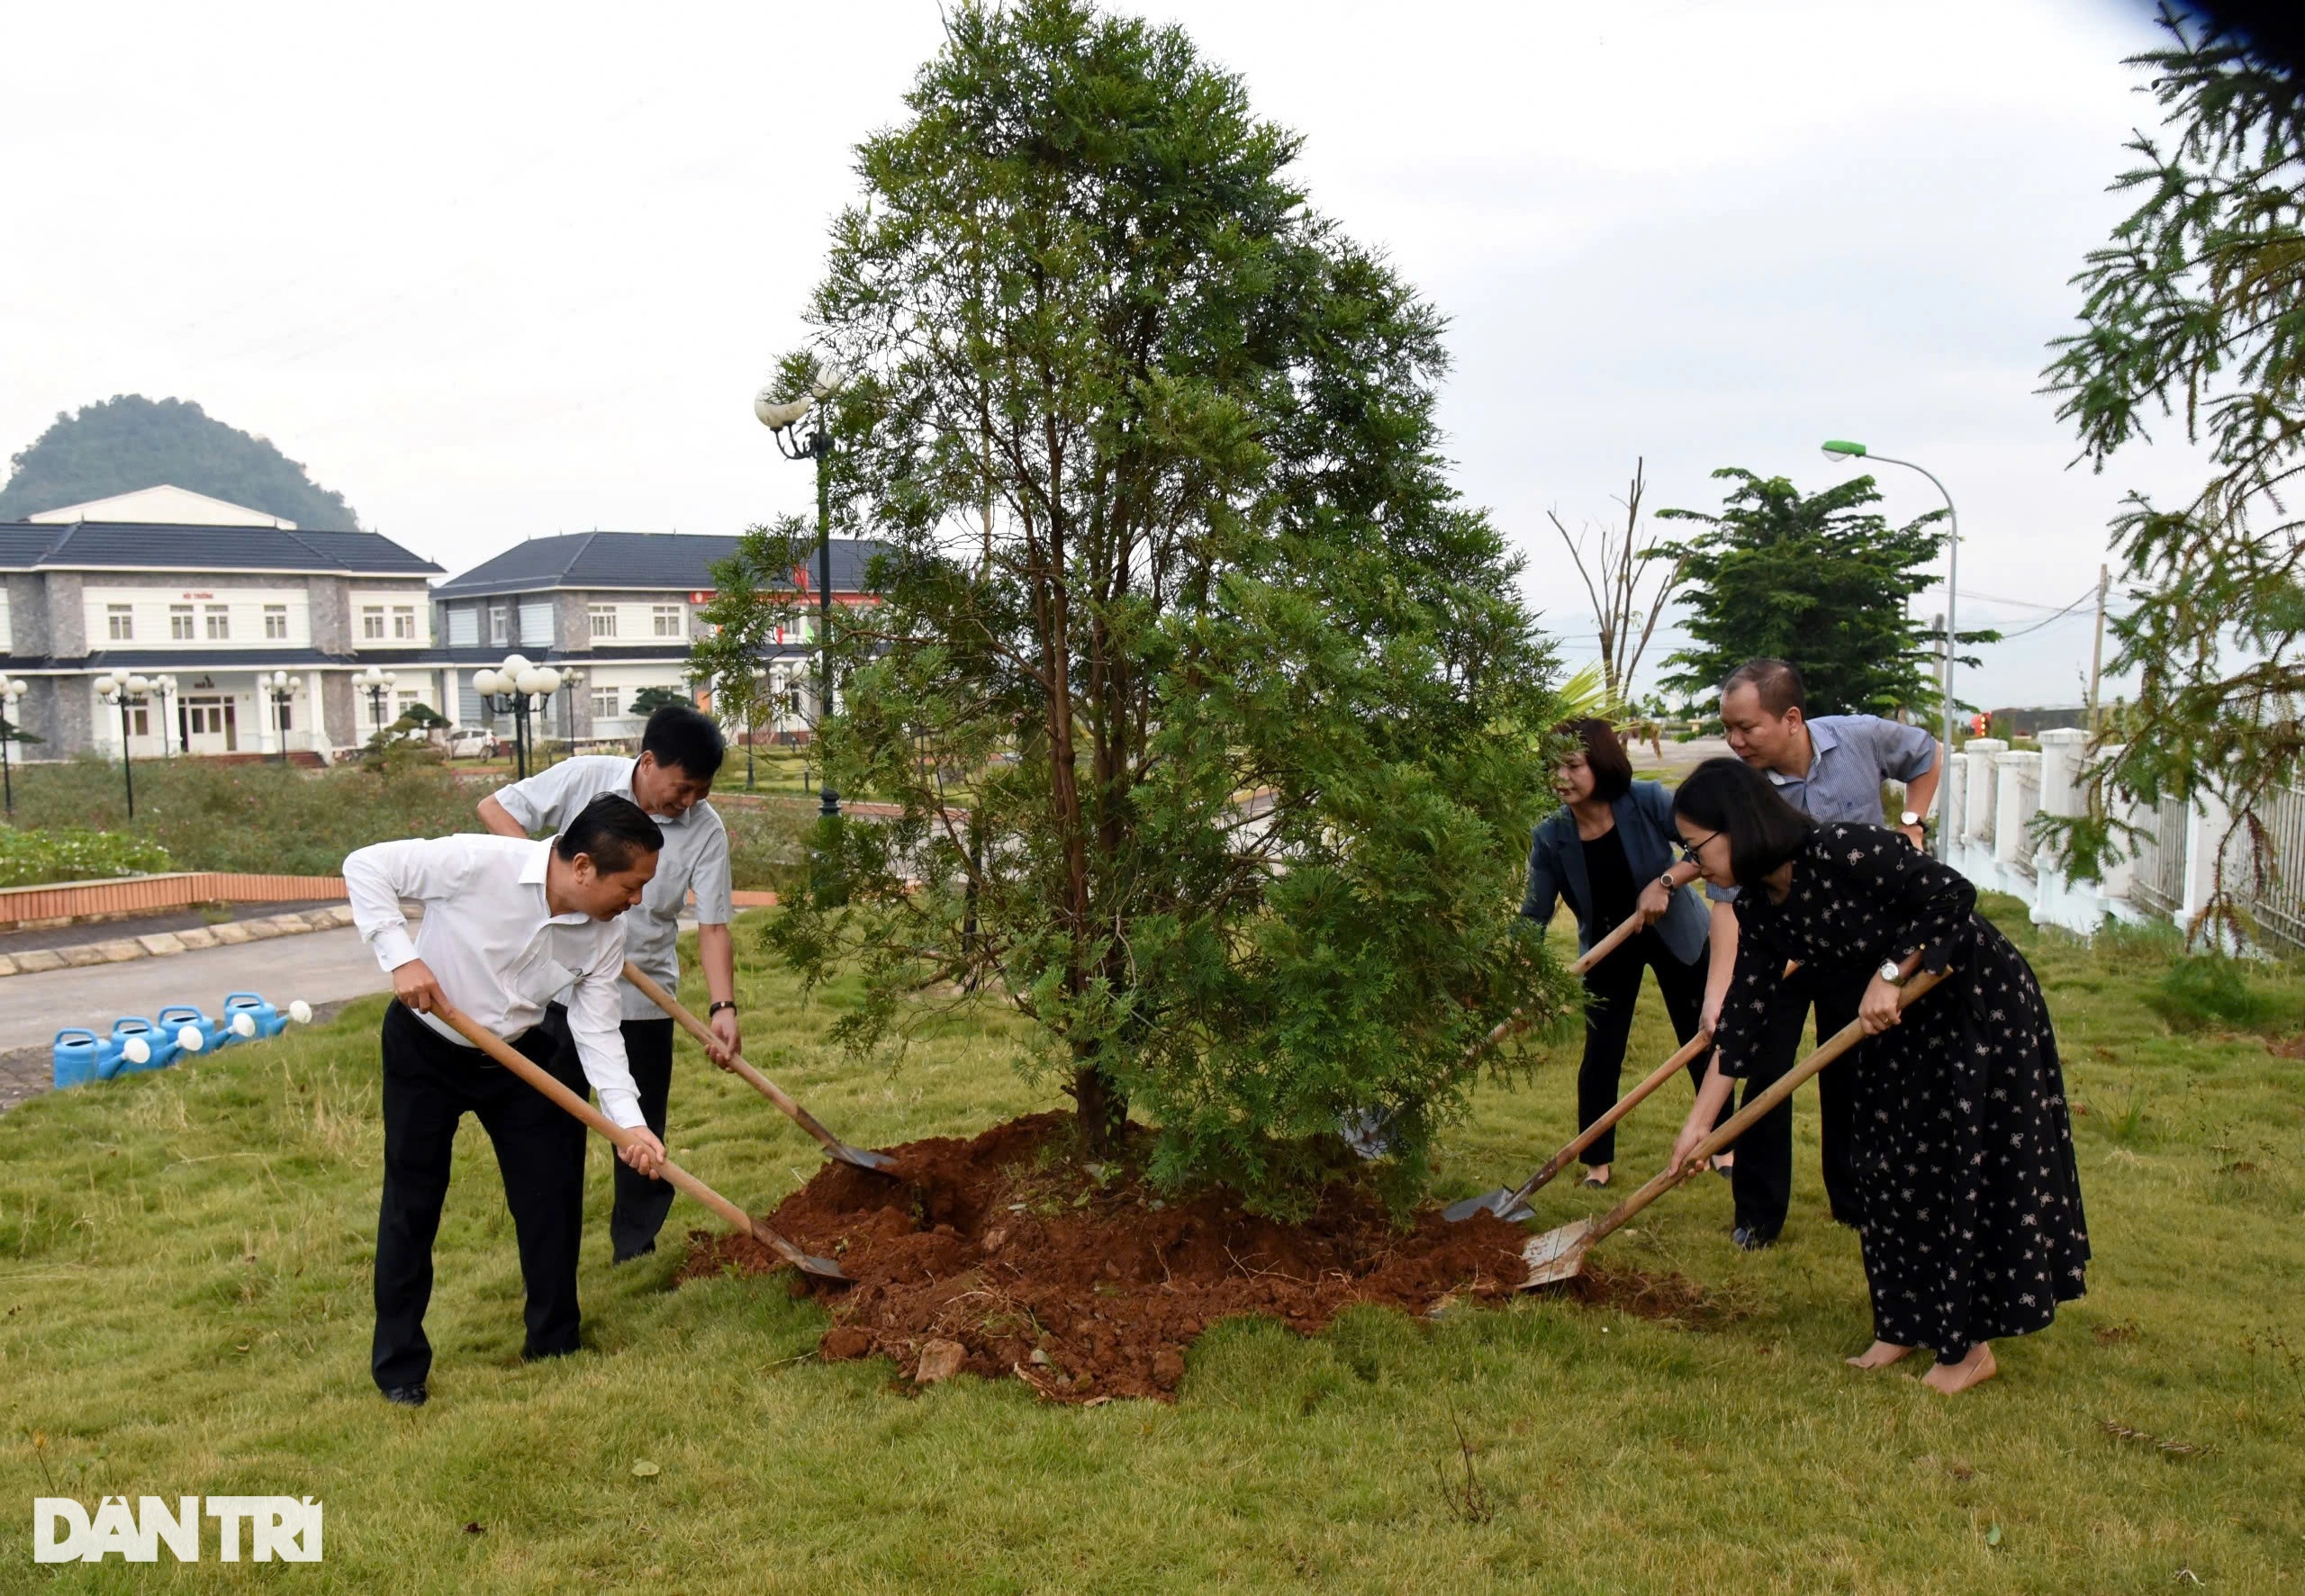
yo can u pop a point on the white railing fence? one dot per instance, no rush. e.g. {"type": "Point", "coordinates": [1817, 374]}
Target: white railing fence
{"type": "Point", "coordinates": [2169, 867]}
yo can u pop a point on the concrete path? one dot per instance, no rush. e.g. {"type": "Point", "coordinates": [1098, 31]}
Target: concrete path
{"type": "Point", "coordinates": [323, 967]}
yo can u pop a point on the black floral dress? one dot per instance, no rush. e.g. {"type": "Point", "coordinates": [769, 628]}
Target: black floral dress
{"type": "Point", "coordinates": [1970, 1199]}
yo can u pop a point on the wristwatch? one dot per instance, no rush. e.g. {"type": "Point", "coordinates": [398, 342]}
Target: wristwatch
{"type": "Point", "coordinates": [1667, 883]}
{"type": "Point", "coordinates": [1908, 818]}
{"type": "Point", "coordinates": [727, 1003]}
{"type": "Point", "coordinates": [1891, 973]}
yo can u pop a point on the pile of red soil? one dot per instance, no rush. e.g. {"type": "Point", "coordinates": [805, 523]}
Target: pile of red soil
{"type": "Point", "coordinates": [1002, 1258]}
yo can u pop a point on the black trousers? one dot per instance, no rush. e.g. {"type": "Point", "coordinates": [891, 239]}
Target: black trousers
{"type": "Point", "coordinates": [1611, 988]}
{"type": "Point", "coordinates": [642, 1201]}
{"type": "Point", "coordinates": [430, 1084]}
{"type": "Point", "coordinates": [1764, 1178]}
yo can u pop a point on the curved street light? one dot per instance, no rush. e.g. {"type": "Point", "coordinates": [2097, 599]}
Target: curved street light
{"type": "Point", "coordinates": [1841, 449]}
{"type": "Point", "coordinates": [783, 419]}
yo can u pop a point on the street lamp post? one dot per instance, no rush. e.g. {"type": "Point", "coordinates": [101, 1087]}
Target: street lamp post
{"type": "Point", "coordinates": [1841, 448]}
{"type": "Point", "coordinates": [784, 420]}
{"type": "Point", "coordinates": [166, 686]}
{"type": "Point", "coordinates": [11, 695]}
{"type": "Point", "coordinates": [511, 687]}
{"type": "Point", "coordinates": [283, 688]}
{"type": "Point", "coordinates": [569, 680]}
{"type": "Point", "coordinates": [127, 692]}
{"type": "Point", "coordinates": [376, 683]}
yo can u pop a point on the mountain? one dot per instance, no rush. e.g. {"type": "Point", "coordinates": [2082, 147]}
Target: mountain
{"type": "Point", "coordinates": [129, 442]}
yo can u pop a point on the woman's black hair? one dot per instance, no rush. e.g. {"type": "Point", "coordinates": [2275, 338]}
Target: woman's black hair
{"type": "Point", "coordinates": [1730, 797]}
{"type": "Point", "coordinates": [614, 831]}
{"type": "Point", "coordinates": [1604, 756]}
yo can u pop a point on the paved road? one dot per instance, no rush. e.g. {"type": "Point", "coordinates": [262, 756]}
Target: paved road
{"type": "Point", "coordinates": [320, 967]}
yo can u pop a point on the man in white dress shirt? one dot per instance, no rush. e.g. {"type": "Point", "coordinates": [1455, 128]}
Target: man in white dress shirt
{"type": "Point", "coordinates": [506, 926]}
{"type": "Point", "coordinates": [681, 752]}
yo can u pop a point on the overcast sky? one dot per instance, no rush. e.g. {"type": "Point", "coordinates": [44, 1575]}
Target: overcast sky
{"type": "Point", "coordinates": [496, 272]}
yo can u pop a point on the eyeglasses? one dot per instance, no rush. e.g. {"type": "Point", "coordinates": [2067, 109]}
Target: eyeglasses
{"type": "Point", "coordinates": [1689, 851]}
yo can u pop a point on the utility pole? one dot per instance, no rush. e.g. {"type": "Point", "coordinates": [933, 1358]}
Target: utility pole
{"type": "Point", "coordinates": [2097, 649]}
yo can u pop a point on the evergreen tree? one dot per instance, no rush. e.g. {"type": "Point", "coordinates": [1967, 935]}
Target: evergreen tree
{"type": "Point", "coordinates": [129, 442]}
{"type": "Point", "coordinates": [2196, 309]}
{"type": "Point", "coordinates": [1821, 582]}
{"type": "Point", "coordinates": [1207, 706]}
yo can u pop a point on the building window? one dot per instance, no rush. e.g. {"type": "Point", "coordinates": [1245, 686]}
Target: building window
{"type": "Point", "coordinates": [275, 623]}
{"type": "Point", "coordinates": [603, 621]}
{"type": "Point", "coordinates": [500, 625]}
{"type": "Point", "coordinates": [404, 623]}
{"type": "Point", "coordinates": [120, 622]}
{"type": "Point", "coordinates": [219, 624]}
{"type": "Point", "coordinates": [668, 620]}
{"type": "Point", "coordinates": [179, 623]}
{"type": "Point", "coordinates": [140, 721]}
{"type": "Point", "coordinates": [604, 703]}
{"type": "Point", "coordinates": [372, 624]}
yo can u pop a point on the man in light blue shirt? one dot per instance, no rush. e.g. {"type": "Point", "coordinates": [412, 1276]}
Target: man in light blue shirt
{"type": "Point", "coordinates": [1831, 767]}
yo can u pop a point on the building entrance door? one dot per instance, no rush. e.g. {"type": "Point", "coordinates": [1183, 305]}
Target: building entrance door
{"type": "Point", "coordinates": [213, 725]}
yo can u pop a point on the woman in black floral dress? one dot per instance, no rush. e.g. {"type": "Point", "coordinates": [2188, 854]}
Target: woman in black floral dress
{"type": "Point", "coordinates": [1970, 1213]}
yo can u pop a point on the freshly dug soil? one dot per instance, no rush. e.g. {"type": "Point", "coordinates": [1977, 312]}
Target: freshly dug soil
{"type": "Point", "coordinates": [999, 1257]}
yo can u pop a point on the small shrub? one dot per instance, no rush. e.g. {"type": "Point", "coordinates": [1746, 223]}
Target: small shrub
{"type": "Point", "coordinates": [63, 853]}
{"type": "Point", "coordinates": [2212, 991]}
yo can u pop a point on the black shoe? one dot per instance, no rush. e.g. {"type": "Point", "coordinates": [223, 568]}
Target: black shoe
{"type": "Point", "coordinates": [1750, 1240]}
{"type": "Point", "coordinates": [626, 1257]}
{"type": "Point", "coordinates": [407, 1396]}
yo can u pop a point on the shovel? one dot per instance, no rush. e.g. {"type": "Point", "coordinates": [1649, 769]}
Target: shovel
{"type": "Point", "coordinates": [880, 1163]}
{"type": "Point", "coordinates": [1558, 1255]}
{"type": "Point", "coordinates": [498, 1049]}
{"type": "Point", "coordinates": [1512, 1206]}
{"type": "Point", "coordinates": [1513, 1024]}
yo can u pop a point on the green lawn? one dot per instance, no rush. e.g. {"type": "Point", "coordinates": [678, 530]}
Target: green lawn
{"type": "Point", "coordinates": [184, 1309]}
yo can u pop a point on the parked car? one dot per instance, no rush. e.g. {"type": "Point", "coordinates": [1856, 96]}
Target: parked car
{"type": "Point", "coordinates": [473, 742]}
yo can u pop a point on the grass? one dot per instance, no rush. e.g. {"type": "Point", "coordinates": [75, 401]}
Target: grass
{"type": "Point", "coordinates": [184, 1308]}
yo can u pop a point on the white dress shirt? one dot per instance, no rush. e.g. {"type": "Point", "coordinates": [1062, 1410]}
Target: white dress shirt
{"type": "Point", "coordinates": [695, 859]}
{"type": "Point", "coordinates": [496, 948]}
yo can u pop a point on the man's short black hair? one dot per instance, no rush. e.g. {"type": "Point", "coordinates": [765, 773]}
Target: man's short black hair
{"type": "Point", "coordinates": [680, 735]}
{"type": "Point", "coordinates": [1604, 756]}
{"type": "Point", "coordinates": [1730, 797]}
{"type": "Point", "coordinates": [1777, 681]}
{"type": "Point", "coordinates": [614, 831]}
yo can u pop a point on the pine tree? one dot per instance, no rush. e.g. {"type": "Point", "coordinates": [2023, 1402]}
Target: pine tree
{"type": "Point", "coordinates": [1819, 581]}
{"type": "Point", "coordinates": [1207, 706]}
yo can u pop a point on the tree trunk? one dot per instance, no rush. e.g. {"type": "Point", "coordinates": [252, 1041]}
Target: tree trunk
{"type": "Point", "coordinates": [1100, 1110]}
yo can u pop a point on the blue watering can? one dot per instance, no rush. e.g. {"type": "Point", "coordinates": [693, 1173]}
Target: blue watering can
{"type": "Point", "coordinates": [177, 1015]}
{"type": "Point", "coordinates": [82, 1055]}
{"type": "Point", "coordinates": [163, 1043]}
{"type": "Point", "coordinates": [269, 1020]}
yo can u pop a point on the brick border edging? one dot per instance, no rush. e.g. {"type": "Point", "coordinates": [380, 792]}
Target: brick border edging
{"type": "Point", "coordinates": [66, 901]}
{"type": "Point", "coordinates": [159, 944]}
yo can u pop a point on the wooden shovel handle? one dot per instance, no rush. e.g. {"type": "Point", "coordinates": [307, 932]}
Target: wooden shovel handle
{"type": "Point", "coordinates": [752, 1077]}
{"type": "Point", "coordinates": [1842, 1041]}
{"type": "Point", "coordinates": [1625, 1105]}
{"type": "Point", "coordinates": [504, 1053]}
{"type": "Point", "coordinates": [1517, 1022]}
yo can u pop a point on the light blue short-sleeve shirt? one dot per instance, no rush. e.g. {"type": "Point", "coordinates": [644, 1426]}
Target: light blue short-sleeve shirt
{"type": "Point", "coordinates": [695, 859]}
{"type": "Point", "coordinates": [1850, 757]}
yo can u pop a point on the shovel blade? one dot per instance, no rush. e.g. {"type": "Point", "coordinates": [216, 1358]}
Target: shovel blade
{"type": "Point", "coordinates": [1499, 1202]}
{"type": "Point", "coordinates": [1558, 1255]}
{"type": "Point", "coordinates": [824, 1268]}
{"type": "Point", "coordinates": [863, 1158]}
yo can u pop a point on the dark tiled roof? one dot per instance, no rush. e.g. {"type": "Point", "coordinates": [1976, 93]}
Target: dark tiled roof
{"type": "Point", "coordinates": [667, 562]}
{"type": "Point", "coordinates": [122, 545]}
